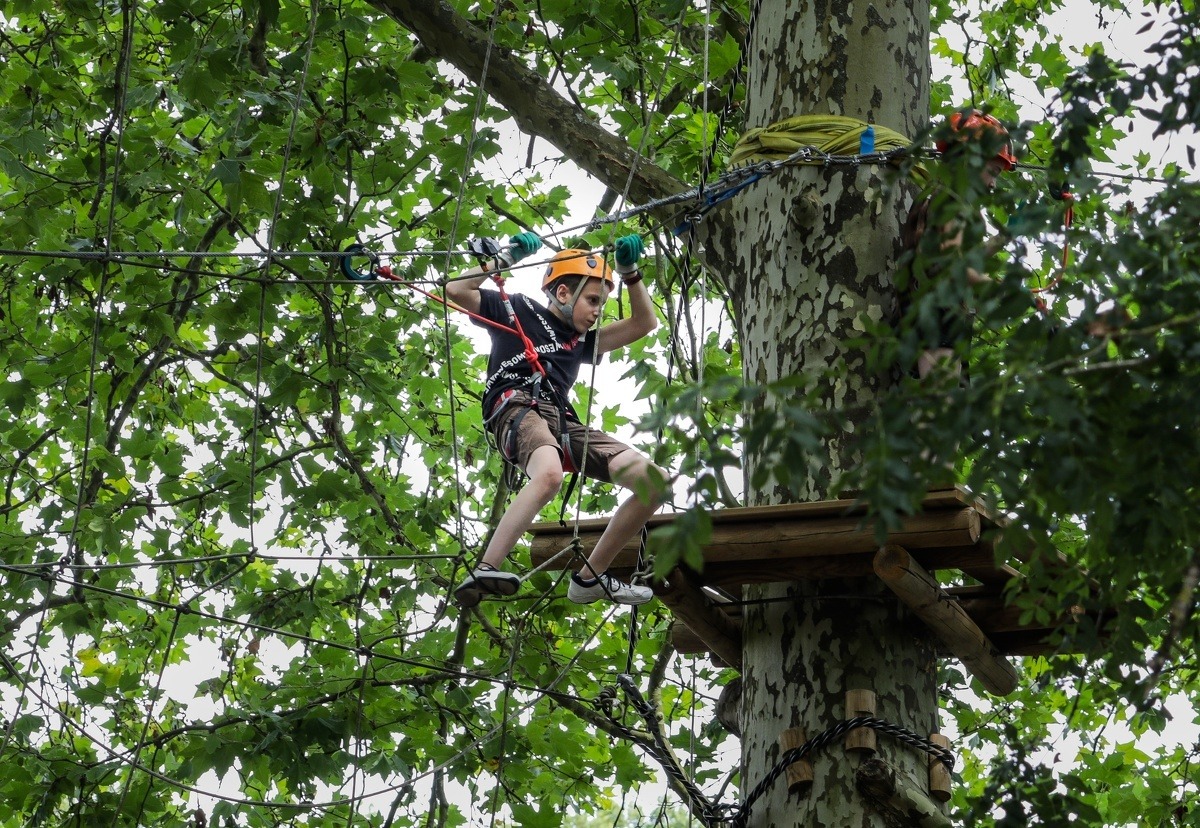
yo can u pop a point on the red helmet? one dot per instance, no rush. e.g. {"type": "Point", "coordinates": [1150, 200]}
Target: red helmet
{"type": "Point", "coordinates": [975, 124]}
{"type": "Point", "coordinates": [573, 262]}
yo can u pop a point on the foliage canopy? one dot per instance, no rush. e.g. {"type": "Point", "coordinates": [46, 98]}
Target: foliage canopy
{"type": "Point", "coordinates": [237, 486]}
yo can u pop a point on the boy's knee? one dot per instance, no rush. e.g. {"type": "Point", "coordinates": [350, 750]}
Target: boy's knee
{"type": "Point", "coordinates": [643, 477]}
{"type": "Point", "coordinates": [547, 475]}
{"type": "Point", "coordinates": [656, 483]}
{"type": "Point", "coordinates": [551, 479]}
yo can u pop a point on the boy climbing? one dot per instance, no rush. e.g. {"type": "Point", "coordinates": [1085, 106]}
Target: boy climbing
{"type": "Point", "coordinates": [526, 409]}
{"type": "Point", "coordinates": [953, 320]}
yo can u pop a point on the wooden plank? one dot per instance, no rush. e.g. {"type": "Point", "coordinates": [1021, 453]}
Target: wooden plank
{"type": "Point", "coordinates": [956, 532]}
{"type": "Point", "coordinates": [746, 542]}
{"type": "Point", "coordinates": [845, 507]}
{"type": "Point", "coordinates": [946, 619]}
{"type": "Point", "coordinates": [732, 575]}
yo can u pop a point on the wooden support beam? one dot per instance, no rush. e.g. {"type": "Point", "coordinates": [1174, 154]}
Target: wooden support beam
{"type": "Point", "coordinates": [860, 702]}
{"type": "Point", "coordinates": [948, 621]}
{"type": "Point", "coordinates": [720, 634]}
{"type": "Point", "coordinates": [940, 782]}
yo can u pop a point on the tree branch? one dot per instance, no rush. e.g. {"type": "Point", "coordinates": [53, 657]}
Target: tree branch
{"type": "Point", "coordinates": [537, 108]}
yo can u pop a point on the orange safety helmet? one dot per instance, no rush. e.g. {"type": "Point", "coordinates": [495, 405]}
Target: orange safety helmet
{"type": "Point", "coordinates": [973, 125]}
{"type": "Point", "coordinates": [573, 262]}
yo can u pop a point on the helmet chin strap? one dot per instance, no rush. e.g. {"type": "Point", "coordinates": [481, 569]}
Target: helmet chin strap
{"type": "Point", "coordinates": [567, 309]}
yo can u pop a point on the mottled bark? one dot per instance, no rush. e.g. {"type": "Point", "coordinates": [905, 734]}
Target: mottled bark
{"type": "Point", "coordinates": [901, 802]}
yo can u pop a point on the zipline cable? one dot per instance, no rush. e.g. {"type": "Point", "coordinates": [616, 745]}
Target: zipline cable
{"type": "Point", "coordinates": [735, 177]}
{"type": "Point", "coordinates": [468, 163]}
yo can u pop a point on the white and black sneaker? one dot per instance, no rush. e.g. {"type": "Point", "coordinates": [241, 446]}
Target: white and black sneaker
{"type": "Point", "coordinates": [485, 580]}
{"type": "Point", "coordinates": [583, 591]}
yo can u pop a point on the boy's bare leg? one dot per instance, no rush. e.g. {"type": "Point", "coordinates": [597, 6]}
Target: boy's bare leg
{"type": "Point", "coordinates": [632, 471]}
{"type": "Point", "coordinates": [545, 478]}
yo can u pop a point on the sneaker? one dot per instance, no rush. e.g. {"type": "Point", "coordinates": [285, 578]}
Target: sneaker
{"type": "Point", "coordinates": [485, 580]}
{"type": "Point", "coordinates": [606, 586]}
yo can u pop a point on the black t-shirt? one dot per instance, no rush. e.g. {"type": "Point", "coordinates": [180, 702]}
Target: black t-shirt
{"type": "Point", "coordinates": [560, 348]}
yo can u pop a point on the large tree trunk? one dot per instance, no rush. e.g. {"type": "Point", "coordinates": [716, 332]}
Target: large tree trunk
{"type": "Point", "coordinates": [815, 252]}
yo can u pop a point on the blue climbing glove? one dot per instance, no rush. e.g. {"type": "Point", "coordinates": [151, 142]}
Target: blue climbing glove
{"type": "Point", "coordinates": [519, 246]}
{"type": "Point", "coordinates": [629, 251]}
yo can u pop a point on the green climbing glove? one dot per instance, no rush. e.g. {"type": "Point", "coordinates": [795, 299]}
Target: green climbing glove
{"type": "Point", "coordinates": [629, 251]}
{"type": "Point", "coordinates": [523, 244]}
{"type": "Point", "coordinates": [519, 246]}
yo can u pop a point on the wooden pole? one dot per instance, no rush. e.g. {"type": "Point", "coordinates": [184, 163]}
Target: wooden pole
{"type": "Point", "coordinates": [948, 621]}
{"type": "Point", "coordinates": [800, 772]}
{"type": "Point", "coordinates": [939, 774]}
{"type": "Point", "coordinates": [860, 703]}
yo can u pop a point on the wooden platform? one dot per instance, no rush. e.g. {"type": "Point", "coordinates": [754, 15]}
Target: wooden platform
{"type": "Point", "coordinates": [953, 539]}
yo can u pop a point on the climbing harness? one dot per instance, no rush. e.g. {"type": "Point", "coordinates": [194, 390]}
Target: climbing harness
{"type": "Point", "coordinates": [539, 389]}
{"type": "Point", "coordinates": [488, 251]}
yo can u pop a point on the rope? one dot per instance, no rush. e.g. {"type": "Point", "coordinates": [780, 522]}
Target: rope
{"type": "Point", "coordinates": [742, 814]}
{"type": "Point", "coordinates": [264, 629]}
{"type": "Point", "coordinates": [468, 162]}
{"type": "Point", "coordinates": [661, 752]}
{"type": "Point", "coordinates": [37, 568]}
{"type": "Point", "coordinates": [828, 135]}
{"type": "Point", "coordinates": [633, 167]}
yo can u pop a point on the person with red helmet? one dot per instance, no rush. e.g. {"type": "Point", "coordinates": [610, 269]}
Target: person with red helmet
{"type": "Point", "coordinates": [967, 136]}
{"type": "Point", "coordinates": [526, 409]}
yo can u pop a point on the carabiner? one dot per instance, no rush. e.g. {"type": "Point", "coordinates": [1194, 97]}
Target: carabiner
{"type": "Point", "coordinates": [358, 275]}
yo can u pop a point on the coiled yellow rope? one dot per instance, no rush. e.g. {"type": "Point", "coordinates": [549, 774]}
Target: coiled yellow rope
{"type": "Point", "coordinates": [828, 134]}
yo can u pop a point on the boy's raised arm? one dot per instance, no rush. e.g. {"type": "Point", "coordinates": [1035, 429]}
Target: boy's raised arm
{"type": "Point", "coordinates": [463, 290]}
{"type": "Point", "coordinates": [642, 319]}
